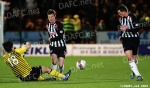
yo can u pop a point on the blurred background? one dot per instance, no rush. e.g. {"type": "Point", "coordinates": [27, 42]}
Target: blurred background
{"type": "Point", "coordinates": [91, 33]}
{"type": "Point", "coordinates": [94, 21]}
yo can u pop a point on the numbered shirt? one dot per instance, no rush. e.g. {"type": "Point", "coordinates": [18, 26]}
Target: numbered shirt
{"type": "Point", "coordinates": [17, 63]}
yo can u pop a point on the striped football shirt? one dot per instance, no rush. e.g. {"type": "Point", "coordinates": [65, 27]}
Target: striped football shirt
{"type": "Point", "coordinates": [133, 26]}
{"type": "Point", "coordinates": [57, 34]}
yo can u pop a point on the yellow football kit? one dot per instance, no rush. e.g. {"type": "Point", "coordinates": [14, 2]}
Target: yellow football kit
{"type": "Point", "coordinates": [21, 68]}
{"type": "Point", "coordinates": [17, 63]}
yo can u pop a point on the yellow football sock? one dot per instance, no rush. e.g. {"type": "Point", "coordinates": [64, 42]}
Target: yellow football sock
{"type": "Point", "coordinates": [56, 74]}
{"type": "Point", "coordinates": [40, 78]}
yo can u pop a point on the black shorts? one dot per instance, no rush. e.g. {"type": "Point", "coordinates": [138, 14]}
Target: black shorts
{"type": "Point", "coordinates": [59, 51]}
{"type": "Point", "coordinates": [131, 45]}
{"type": "Point", "coordinates": [34, 74]}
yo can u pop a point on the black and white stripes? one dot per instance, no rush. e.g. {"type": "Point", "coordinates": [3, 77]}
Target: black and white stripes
{"type": "Point", "coordinates": [59, 43]}
{"type": "Point", "coordinates": [52, 30]}
{"type": "Point", "coordinates": [56, 34]}
{"type": "Point", "coordinates": [132, 24]}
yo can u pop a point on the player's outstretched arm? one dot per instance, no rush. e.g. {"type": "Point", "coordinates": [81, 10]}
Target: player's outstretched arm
{"type": "Point", "coordinates": [24, 48]}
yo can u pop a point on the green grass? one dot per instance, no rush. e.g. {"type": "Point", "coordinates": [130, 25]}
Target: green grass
{"type": "Point", "coordinates": [101, 72]}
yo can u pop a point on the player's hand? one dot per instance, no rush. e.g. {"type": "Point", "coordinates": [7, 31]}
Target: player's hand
{"type": "Point", "coordinates": [52, 33]}
{"type": "Point", "coordinates": [49, 39]}
{"type": "Point", "coordinates": [124, 27]}
{"type": "Point", "coordinates": [119, 39]}
{"type": "Point", "coordinates": [27, 45]}
{"type": "Point", "coordinates": [65, 52]}
{"type": "Point", "coordinates": [24, 42]}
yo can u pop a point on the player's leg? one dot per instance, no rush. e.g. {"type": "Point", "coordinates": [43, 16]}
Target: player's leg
{"type": "Point", "coordinates": [35, 74]}
{"type": "Point", "coordinates": [128, 49]}
{"type": "Point", "coordinates": [135, 53]}
{"type": "Point", "coordinates": [55, 73]}
{"type": "Point", "coordinates": [37, 71]}
{"type": "Point", "coordinates": [61, 56]}
{"type": "Point", "coordinates": [61, 64]}
{"type": "Point", "coordinates": [61, 59]}
{"type": "Point", "coordinates": [132, 75]}
{"type": "Point", "coordinates": [54, 61]}
{"type": "Point", "coordinates": [53, 52]}
{"type": "Point", "coordinates": [132, 63]}
{"type": "Point", "coordinates": [52, 72]}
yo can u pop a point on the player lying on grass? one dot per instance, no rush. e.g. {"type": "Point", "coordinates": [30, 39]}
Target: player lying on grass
{"type": "Point", "coordinates": [22, 70]}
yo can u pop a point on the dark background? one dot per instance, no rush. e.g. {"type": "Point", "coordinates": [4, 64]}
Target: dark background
{"type": "Point", "coordinates": [93, 12]}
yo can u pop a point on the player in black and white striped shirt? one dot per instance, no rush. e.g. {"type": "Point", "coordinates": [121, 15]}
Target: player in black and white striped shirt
{"type": "Point", "coordinates": [130, 38]}
{"type": "Point", "coordinates": [56, 34]}
{"type": "Point", "coordinates": [57, 40]}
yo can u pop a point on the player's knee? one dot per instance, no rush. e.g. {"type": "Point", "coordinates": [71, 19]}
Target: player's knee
{"type": "Point", "coordinates": [130, 58]}
{"type": "Point", "coordinates": [45, 69]}
{"type": "Point", "coordinates": [54, 61]}
{"type": "Point", "coordinates": [54, 56]}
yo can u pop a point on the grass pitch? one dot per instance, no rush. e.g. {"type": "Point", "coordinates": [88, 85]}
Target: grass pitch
{"type": "Point", "coordinates": [100, 72]}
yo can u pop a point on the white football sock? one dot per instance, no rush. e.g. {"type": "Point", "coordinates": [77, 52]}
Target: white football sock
{"type": "Point", "coordinates": [54, 66]}
{"type": "Point", "coordinates": [134, 68]}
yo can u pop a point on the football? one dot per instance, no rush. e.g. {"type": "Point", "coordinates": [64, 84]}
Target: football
{"type": "Point", "coordinates": [81, 64]}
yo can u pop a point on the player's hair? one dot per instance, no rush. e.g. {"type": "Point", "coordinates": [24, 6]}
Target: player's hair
{"type": "Point", "coordinates": [8, 46]}
{"type": "Point", "coordinates": [122, 8]}
{"type": "Point", "coordinates": [51, 11]}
